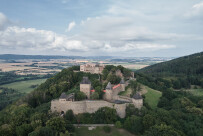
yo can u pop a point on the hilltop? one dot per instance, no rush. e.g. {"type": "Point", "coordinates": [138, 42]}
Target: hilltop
{"type": "Point", "coordinates": [187, 65]}
{"type": "Point", "coordinates": [177, 73]}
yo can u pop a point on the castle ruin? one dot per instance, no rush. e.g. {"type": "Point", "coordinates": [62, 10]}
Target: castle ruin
{"type": "Point", "coordinates": [92, 68]}
{"type": "Point", "coordinates": [110, 99]}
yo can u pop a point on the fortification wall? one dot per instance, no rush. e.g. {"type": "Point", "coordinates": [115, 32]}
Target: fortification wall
{"type": "Point", "coordinates": [138, 103]}
{"type": "Point", "coordinates": [86, 106]}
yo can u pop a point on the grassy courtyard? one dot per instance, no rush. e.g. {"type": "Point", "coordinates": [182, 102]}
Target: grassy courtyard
{"type": "Point", "coordinates": [24, 86]}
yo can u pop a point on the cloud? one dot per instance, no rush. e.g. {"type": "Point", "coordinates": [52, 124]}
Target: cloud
{"type": "Point", "coordinates": [70, 26]}
{"type": "Point", "coordinates": [4, 22]}
{"type": "Point", "coordinates": [196, 11]}
{"type": "Point", "coordinates": [30, 38]}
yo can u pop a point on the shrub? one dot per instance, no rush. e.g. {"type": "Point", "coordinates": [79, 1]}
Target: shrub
{"type": "Point", "coordinates": [118, 124]}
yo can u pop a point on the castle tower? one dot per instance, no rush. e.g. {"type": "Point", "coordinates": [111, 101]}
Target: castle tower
{"type": "Point", "coordinates": [109, 93]}
{"type": "Point", "coordinates": [122, 82]}
{"type": "Point", "coordinates": [85, 86]}
{"type": "Point", "coordinates": [137, 100]}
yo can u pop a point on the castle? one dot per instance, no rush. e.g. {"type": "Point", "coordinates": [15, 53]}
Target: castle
{"type": "Point", "coordinates": [110, 99]}
{"type": "Point", "coordinates": [92, 68]}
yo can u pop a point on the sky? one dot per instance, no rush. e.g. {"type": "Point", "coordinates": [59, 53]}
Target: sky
{"type": "Point", "coordinates": [128, 28]}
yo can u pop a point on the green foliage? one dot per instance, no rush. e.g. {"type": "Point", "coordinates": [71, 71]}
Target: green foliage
{"type": "Point", "coordinates": [131, 110]}
{"type": "Point", "coordinates": [6, 130]}
{"type": "Point", "coordinates": [95, 96]}
{"type": "Point", "coordinates": [23, 130]}
{"type": "Point", "coordinates": [65, 134]}
{"type": "Point", "coordinates": [163, 130]}
{"type": "Point", "coordinates": [133, 124]}
{"type": "Point", "coordinates": [85, 118]}
{"type": "Point", "coordinates": [152, 97]}
{"type": "Point", "coordinates": [118, 124]}
{"type": "Point", "coordinates": [107, 129]}
{"type": "Point", "coordinates": [7, 96]}
{"type": "Point", "coordinates": [113, 78]}
{"type": "Point", "coordinates": [57, 124]}
{"type": "Point", "coordinates": [80, 96]}
{"type": "Point", "coordinates": [105, 115]}
{"type": "Point", "coordinates": [70, 116]}
{"type": "Point", "coordinates": [184, 71]}
{"type": "Point", "coordinates": [44, 131]}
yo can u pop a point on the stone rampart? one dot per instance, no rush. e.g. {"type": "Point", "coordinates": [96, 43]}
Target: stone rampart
{"type": "Point", "coordinates": [86, 106]}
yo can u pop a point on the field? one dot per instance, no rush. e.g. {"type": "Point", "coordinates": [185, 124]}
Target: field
{"type": "Point", "coordinates": [152, 97]}
{"type": "Point", "coordinates": [131, 65]}
{"type": "Point", "coordinates": [83, 131]}
{"type": "Point", "coordinates": [196, 92]}
{"type": "Point", "coordinates": [24, 86]}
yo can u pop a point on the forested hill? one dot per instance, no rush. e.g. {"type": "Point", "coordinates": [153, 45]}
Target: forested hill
{"type": "Point", "coordinates": [187, 65]}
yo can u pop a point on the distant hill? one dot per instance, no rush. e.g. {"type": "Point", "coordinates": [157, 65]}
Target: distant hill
{"type": "Point", "coordinates": [187, 65]}
{"type": "Point", "coordinates": [16, 57]}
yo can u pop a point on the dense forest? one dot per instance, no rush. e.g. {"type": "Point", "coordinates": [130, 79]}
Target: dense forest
{"type": "Point", "coordinates": [186, 66]}
{"type": "Point", "coordinates": [177, 114]}
{"type": "Point", "coordinates": [178, 73]}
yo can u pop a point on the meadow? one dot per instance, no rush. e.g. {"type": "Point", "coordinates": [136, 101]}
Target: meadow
{"type": "Point", "coordinates": [24, 86]}
{"type": "Point", "coordinates": [152, 97]}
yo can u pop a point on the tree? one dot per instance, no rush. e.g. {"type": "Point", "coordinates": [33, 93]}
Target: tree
{"type": "Point", "coordinates": [163, 130]}
{"type": "Point", "coordinates": [134, 86]}
{"type": "Point", "coordinates": [70, 116]}
{"type": "Point", "coordinates": [96, 83]}
{"type": "Point", "coordinates": [38, 119]}
{"type": "Point", "coordinates": [43, 131]}
{"type": "Point", "coordinates": [163, 102]}
{"type": "Point", "coordinates": [105, 73]}
{"type": "Point", "coordinates": [57, 124]}
{"type": "Point", "coordinates": [24, 130]}
{"type": "Point", "coordinates": [131, 110]}
{"type": "Point", "coordinates": [6, 130]}
{"type": "Point", "coordinates": [113, 79]}
{"type": "Point", "coordinates": [133, 124]}
{"type": "Point", "coordinates": [148, 121]}
{"type": "Point", "coordinates": [105, 115]}
{"type": "Point", "coordinates": [94, 96]}
{"type": "Point", "coordinates": [118, 124]}
{"type": "Point", "coordinates": [80, 96]}
{"type": "Point", "coordinates": [65, 134]}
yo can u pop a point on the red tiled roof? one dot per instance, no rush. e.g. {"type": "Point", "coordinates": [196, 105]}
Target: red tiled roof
{"type": "Point", "coordinates": [116, 86]}
{"type": "Point", "coordinates": [92, 90]}
{"type": "Point", "coordinates": [104, 91]}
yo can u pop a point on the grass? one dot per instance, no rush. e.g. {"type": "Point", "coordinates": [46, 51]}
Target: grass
{"type": "Point", "coordinates": [196, 92]}
{"type": "Point", "coordinates": [126, 93]}
{"type": "Point", "coordinates": [152, 97]}
{"type": "Point", "coordinates": [98, 131]}
{"type": "Point", "coordinates": [1, 90]}
{"type": "Point", "coordinates": [24, 86]}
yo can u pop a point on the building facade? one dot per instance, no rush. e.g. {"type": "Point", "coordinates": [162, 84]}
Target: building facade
{"type": "Point", "coordinates": [92, 68]}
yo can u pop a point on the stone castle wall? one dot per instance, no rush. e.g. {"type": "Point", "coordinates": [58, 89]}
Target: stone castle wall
{"type": "Point", "coordinates": [86, 106]}
{"type": "Point", "coordinates": [85, 88]}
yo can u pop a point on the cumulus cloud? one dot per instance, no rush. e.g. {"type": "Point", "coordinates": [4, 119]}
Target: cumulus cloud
{"type": "Point", "coordinates": [31, 38]}
{"type": "Point", "coordinates": [70, 26]}
{"type": "Point", "coordinates": [103, 34]}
